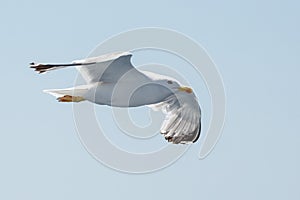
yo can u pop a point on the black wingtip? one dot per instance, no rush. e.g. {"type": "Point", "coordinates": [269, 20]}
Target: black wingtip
{"type": "Point", "coordinates": [198, 135]}
{"type": "Point", "coordinates": [40, 68]}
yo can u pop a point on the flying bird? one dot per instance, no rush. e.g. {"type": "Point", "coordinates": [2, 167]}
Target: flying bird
{"type": "Point", "coordinates": [112, 80]}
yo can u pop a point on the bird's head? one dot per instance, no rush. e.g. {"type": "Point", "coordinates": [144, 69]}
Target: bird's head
{"type": "Point", "coordinates": [175, 86]}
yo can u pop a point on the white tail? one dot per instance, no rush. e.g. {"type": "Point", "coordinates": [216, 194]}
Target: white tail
{"type": "Point", "coordinates": [75, 91]}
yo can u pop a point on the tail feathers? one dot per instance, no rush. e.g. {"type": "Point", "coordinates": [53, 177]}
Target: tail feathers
{"type": "Point", "coordinates": [79, 91]}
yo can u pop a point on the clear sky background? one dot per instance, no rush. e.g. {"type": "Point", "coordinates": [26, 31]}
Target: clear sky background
{"type": "Point", "coordinates": [255, 45]}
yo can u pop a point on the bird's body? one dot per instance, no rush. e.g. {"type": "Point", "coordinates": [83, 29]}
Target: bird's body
{"type": "Point", "coordinates": [123, 98]}
{"type": "Point", "coordinates": [129, 92]}
{"type": "Point", "coordinates": [112, 80]}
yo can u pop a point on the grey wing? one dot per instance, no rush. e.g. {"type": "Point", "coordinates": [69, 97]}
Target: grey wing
{"type": "Point", "coordinates": [107, 68]}
{"type": "Point", "coordinates": [182, 123]}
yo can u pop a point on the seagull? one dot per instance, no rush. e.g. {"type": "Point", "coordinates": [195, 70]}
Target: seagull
{"type": "Point", "coordinates": [112, 80]}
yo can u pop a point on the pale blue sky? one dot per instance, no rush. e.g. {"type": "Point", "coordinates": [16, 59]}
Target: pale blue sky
{"type": "Point", "coordinates": [255, 45]}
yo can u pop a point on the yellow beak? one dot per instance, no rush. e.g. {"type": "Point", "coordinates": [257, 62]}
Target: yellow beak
{"type": "Point", "coordinates": [185, 89]}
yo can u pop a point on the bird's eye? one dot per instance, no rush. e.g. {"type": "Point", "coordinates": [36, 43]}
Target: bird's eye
{"type": "Point", "coordinates": [170, 82]}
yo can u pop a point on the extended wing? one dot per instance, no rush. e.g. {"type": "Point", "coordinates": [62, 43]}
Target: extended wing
{"type": "Point", "coordinates": [182, 123]}
{"type": "Point", "coordinates": [106, 68]}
